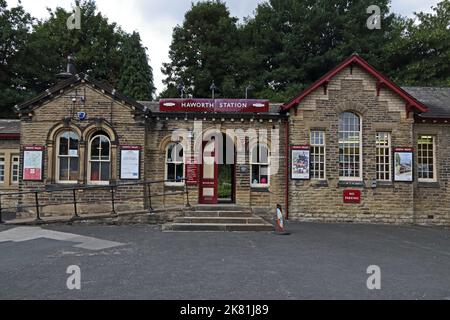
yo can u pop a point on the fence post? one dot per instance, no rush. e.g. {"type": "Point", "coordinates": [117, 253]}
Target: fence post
{"type": "Point", "coordinates": [1, 218]}
{"type": "Point", "coordinates": [76, 216]}
{"type": "Point", "coordinates": [149, 190]}
{"type": "Point", "coordinates": [113, 201]}
{"type": "Point", "coordinates": [38, 213]}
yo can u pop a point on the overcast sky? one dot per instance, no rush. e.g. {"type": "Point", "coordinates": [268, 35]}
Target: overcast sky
{"type": "Point", "coordinates": [155, 19]}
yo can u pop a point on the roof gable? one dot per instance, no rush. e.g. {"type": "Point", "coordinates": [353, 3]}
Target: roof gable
{"type": "Point", "coordinates": [75, 80]}
{"type": "Point", "coordinates": [411, 102]}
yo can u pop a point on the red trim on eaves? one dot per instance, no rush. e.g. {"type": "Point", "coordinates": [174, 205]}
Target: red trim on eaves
{"type": "Point", "coordinates": [10, 136]}
{"type": "Point", "coordinates": [356, 59]}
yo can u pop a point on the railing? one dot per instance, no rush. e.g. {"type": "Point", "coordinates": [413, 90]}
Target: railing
{"type": "Point", "coordinates": [123, 193]}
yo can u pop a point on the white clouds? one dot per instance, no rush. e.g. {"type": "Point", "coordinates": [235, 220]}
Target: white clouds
{"type": "Point", "coordinates": [155, 19]}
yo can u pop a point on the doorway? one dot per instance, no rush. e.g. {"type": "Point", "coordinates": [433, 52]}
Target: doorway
{"type": "Point", "coordinates": [217, 171]}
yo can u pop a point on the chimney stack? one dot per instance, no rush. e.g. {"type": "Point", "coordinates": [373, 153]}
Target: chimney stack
{"type": "Point", "coordinates": [70, 71]}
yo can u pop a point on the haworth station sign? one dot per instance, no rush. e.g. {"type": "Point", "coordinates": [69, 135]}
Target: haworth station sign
{"type": "Point", "coordinates": [214, 105]}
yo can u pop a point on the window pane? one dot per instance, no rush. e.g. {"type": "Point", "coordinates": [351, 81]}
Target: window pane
{"type": "Point", "coordinates": [95, 171]}
{"type": "Point", "coordinates": [63, 146]}
{"type": "Point", "coordinates": [255, 174]}
{"type": "Point", "coordinates": [63, 169]}
{"type": "Point", "coordinates": [105, 167]}
{"type": "Point", "coordinates": [73, 169]}
{"type": "Point", "coordinates": [179, 172]}
{"type": "Point", "coordinates": [95, 149]}
{"type": "Point", "coordinates": [349, 145]}
{"type": "Point", "coordinates": [105, 148]}
{"type": "Point", "coordinates": [171, 172]}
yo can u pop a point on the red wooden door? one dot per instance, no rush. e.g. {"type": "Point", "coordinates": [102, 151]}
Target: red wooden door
{"type": "Point", "coordinates": [209, 174]}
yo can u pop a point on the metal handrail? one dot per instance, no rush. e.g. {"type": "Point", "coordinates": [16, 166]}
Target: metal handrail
{"type": "Point", "coordinates": [147, 196]}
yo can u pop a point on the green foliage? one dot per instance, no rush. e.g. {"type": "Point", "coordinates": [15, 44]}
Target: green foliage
{"type": "Point", "coordinates": [289, 44]}
{"type": "Point", "coordinates": [204, 49]}
{"type": "Point", "coordinates": [136, 78]}
{"type": "Point", "coordinates": [14, 31]}
{"type": "Point", "coordinates": [33, 52]}
{"type": "Point", "coordinates": [420, 54]}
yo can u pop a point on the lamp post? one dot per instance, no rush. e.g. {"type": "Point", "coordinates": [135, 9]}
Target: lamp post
{"type": "Point", "coordinates": [249, 87]}
{"type": "Point", "coordinates": [213, 88]}
{"type": "Point", "coordinates": [180, 88]}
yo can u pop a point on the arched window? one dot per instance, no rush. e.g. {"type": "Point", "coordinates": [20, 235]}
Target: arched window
{"type": "Point", "coordinates": [350, 148]}
{"type": "Point", "coordinates": [260, 175]}
{"type": "Point", "coordinates": [67, 162]}
{"type": "Point", "coordinates": [99, 170]}
{"type": "Point", "coordinates": [174, 164]}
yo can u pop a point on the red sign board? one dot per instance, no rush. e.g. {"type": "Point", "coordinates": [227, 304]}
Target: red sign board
{"type": "Point", "coordinates": [352, 196]}
{"type": "Point", "coordinates": [192, 172]}
{"type": "Point", "coordinates": [216, 105]}
{"type": "Point", "coordinates": [403, 149]}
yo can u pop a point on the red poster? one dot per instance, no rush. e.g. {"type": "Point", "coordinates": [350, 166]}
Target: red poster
{"type": "Point", "coordinates": [352, 196]}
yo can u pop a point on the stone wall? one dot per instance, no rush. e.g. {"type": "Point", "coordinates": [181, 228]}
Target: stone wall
{"type": "Point", "coordinates": [323, 200]}
{"type": "Point", "coordinates": [159, 135]}
{"type": "Point", "coordinates": [432, 199]}
{"type": "Point", "coordinates": [121, 122]}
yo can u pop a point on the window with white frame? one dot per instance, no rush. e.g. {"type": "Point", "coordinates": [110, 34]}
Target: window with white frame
{"type": "Point", "coordinates": [260, 176]}
{"type": "Point", "coordinates": [426, 155]}
{"type": "Point", "coordinates": [350, 149]}
{"type": "Point", "coordinates": [15, 162]}
{"type": "Point", "coordinates": [2, 168]}
{"type": "Point", "coordinates": [318, 155]}
{"type": "Point", "coordinates": [99, 159]}
{"type": "Point", "coordinates": [175, 163]}
{"type": "Point", "coordinates": [384, 160]}
{"type": "Point", "coordinates": [67, 164]}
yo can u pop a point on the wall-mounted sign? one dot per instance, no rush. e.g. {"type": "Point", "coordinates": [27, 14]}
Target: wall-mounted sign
{"type": "Point", "coordinates": [352, 196]}
{"type": "Point", "coordinates": [404, 164]}
{"type": "Point", "coordinates": [300, 163]}
{"type": "Point", "coordinates": [191, 172]}
{"type": "Point", "coordinates": [33, 163]}
{"type": "Point", "coordinates": [216, 105]}
{"type": "Point", "coordinates": [81, 116]}
{"type": "Point", "coordinates": [130, 162]}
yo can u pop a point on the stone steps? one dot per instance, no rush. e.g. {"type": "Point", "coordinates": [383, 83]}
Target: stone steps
{"type": "Point", "coordinates": [221, 218]}
{"type": "Point", "coordinates": [218, 220]}
{"type": "Point", "coordinates": [216, 227]}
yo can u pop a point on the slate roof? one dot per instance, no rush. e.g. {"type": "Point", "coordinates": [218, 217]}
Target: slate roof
{"type": "Point", "coordinates": [9, 128]}
{"type": "Point", "coordinates": [78, 78]}
{"type": "Point", "coordinates": [436, 99]}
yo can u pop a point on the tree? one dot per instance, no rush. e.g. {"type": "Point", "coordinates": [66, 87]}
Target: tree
{"type": "Point", "coordinates": [421, 53]}
{"type": "Point", "coordinates": [205, 49]}
{"type": "Point", "coordinates": [97, 47]}
{"type": "Point", "coordinates": [14, 30]}
{"type": "Point", "coordinates": [294, 42]}
{"type": "Point", "coordinates": [136, 77]}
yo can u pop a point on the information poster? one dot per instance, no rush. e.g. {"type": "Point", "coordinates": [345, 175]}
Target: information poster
{"type": "Point", "coordinates": [300, 163]}
{"type": "Point", "coordinates": [192, 172]}
{"type": "Point", "coordinates": [403, 164]}
{"type": "Point", "coordinates": [33, 163]}
{"type": "Point", "coordinates": [130, 163]}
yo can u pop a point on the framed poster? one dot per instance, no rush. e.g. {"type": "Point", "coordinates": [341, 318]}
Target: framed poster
{"type": "Point", "coordinates": [300, 163]}
{"type": "Point", "coordinates": [130, 162]}
{"type": "Point", "coordinates": [33, 163]}
{"type": "Point", "coordinates": [192, 172]}
{"type": "Point", "coordinates": [404, 164]}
